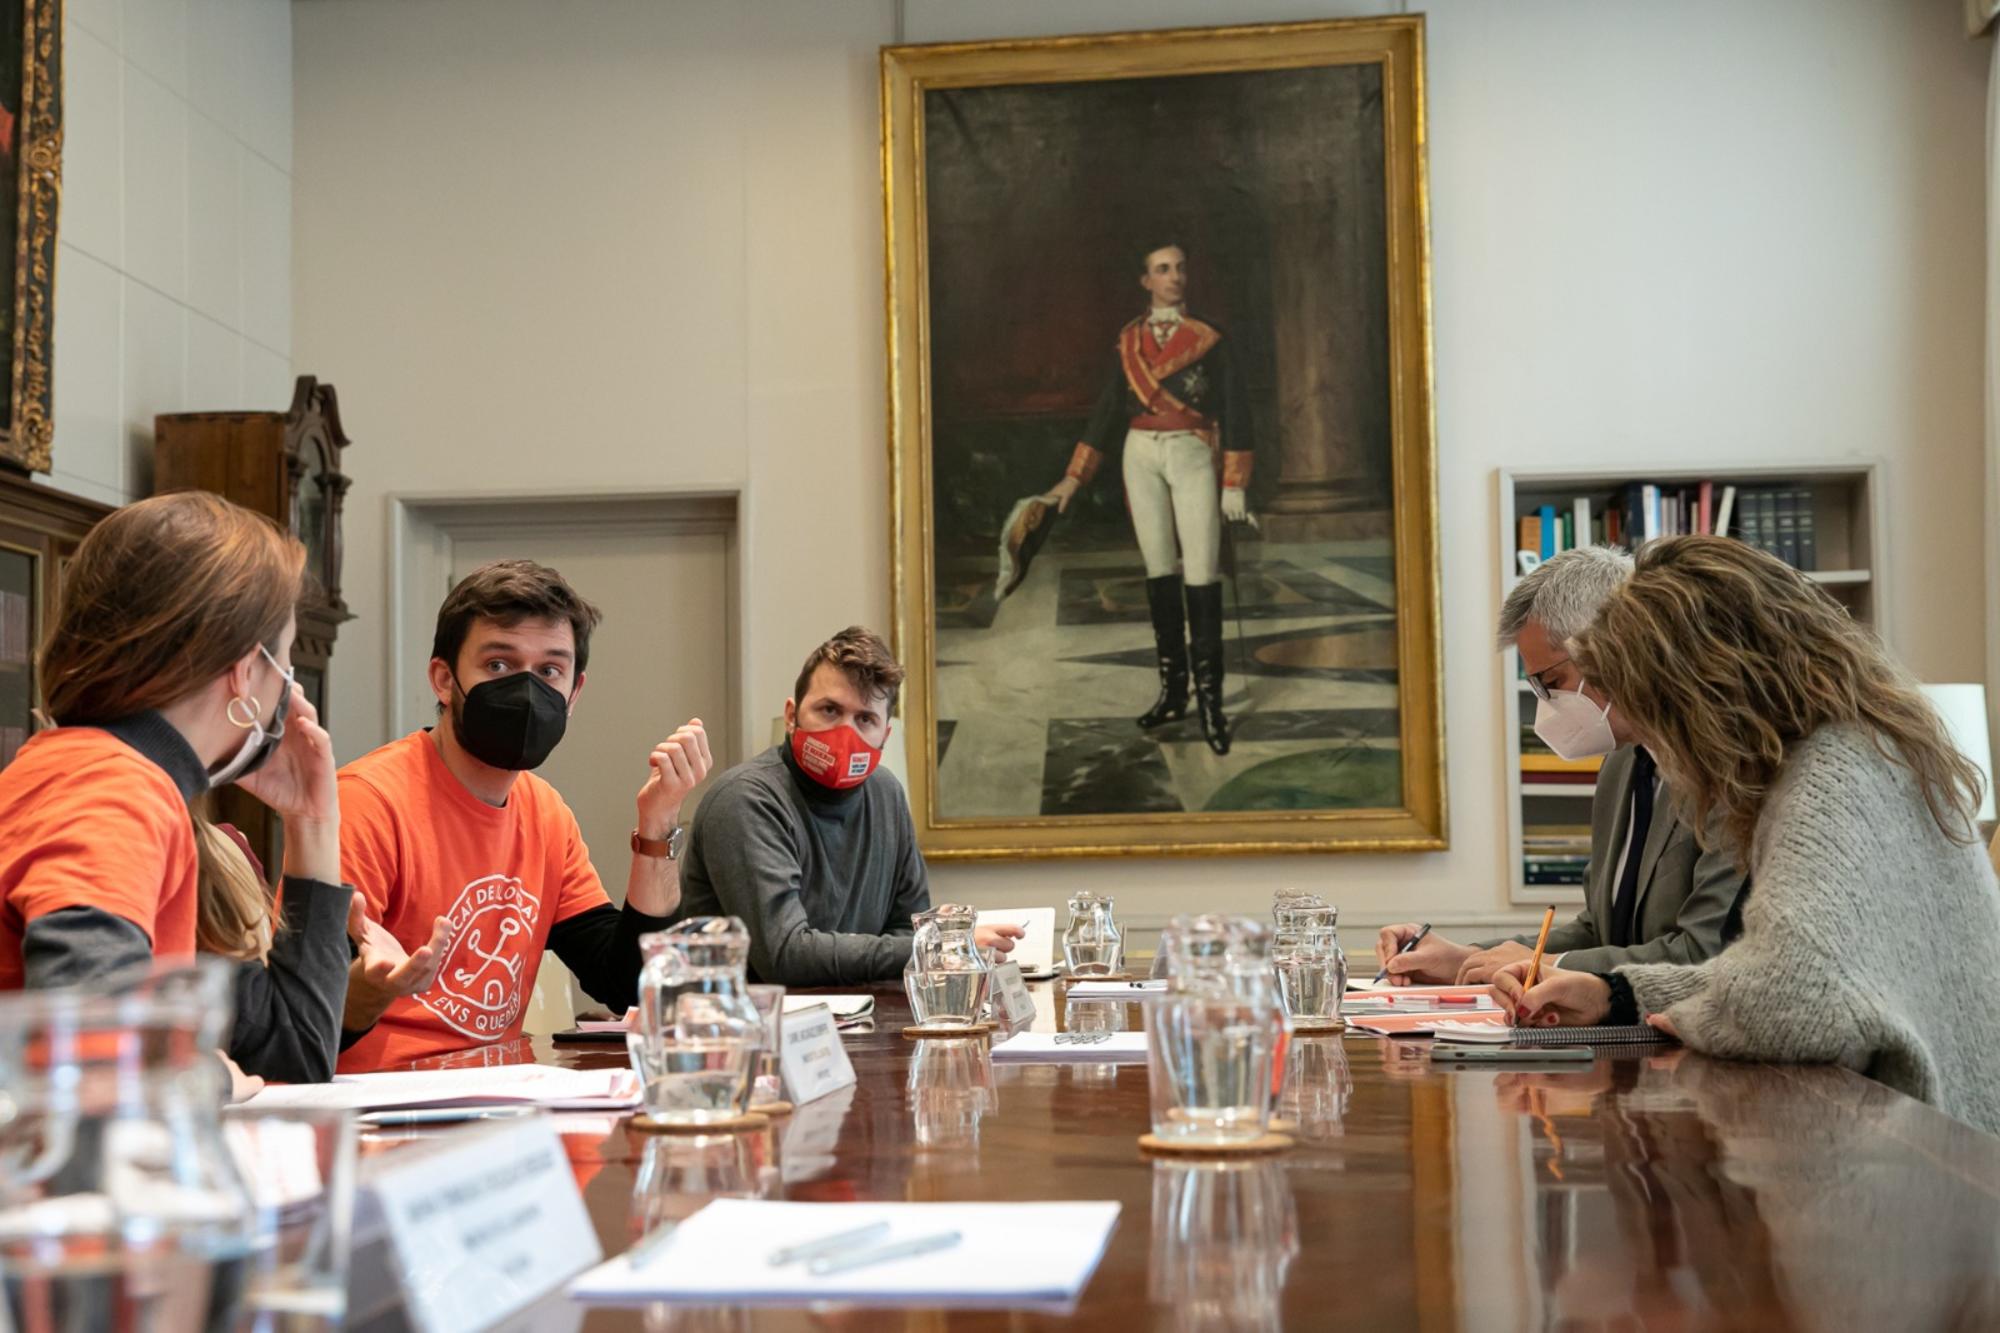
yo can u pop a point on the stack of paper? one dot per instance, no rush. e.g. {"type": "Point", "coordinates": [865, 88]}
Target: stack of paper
{"type": "Point", "coordinates": [1116, 990]}
{"type": "Point", "coordinates": [1072, 1048]}
{"type": "Point", "coordinates": [847, 1009]}
{"type": "Point", "coordinates": [487, 1085]}
{"type": "Point", "coordinates": [1422, 1024]}
{"type": "Point", "coordinates": [1007, 1255]}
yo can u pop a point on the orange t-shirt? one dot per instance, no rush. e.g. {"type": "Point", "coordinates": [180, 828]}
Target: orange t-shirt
{"type": "Point", "coordinates": [88, 821]}
{"type": "Point", "coordinates": [418, 846]}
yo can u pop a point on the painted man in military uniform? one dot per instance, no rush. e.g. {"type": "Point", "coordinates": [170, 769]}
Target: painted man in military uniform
{"type": "Point", "coordinates": [1176, 409]}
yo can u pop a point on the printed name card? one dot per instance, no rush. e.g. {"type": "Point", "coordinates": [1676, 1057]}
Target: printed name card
{"type": "Point", "coordinates": [813, 1061]}
{"type": "Point", "coordinates": [484, 1227]}
{"type": "Point", "coordinates": [1012, 1005]}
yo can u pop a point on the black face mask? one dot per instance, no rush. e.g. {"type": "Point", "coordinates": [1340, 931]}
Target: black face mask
{"type": "Point", "coordinates": [512, 722]}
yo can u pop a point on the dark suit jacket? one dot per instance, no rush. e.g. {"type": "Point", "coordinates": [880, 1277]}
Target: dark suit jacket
{"type": "Point", "coordinates": [1685, 893]}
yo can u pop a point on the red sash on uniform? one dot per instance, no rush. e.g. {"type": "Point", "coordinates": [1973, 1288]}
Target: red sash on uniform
{"type": "Point", "coordinates": [1148, 366]}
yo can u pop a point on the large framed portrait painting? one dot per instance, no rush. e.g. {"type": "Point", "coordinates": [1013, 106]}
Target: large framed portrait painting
{"type": "Point", "coordinates": [1163, 469]}
{"type": "Point", "coordinates": [30, 195]}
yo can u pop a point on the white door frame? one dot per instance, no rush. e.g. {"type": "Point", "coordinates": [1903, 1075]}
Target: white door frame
{"type": "Point", "coordinates": [423, 526]}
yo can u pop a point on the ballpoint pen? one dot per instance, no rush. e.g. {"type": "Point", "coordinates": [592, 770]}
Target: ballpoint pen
{"type": "Point", "coordinates": [1408, 945]}
{"type": "Point", "coordinates": [826, 1245]}
{"type": "Point", "coordinates": [847, 1261]}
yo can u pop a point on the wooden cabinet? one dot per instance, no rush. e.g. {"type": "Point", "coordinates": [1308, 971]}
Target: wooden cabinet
{"type": "Point", "coordinates": [286, 465]}
{"type": "Point", "coordinates": [40, 529]}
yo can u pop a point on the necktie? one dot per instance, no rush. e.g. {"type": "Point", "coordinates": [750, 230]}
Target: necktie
{"type": "Point", "coordinates": [1625, 903]}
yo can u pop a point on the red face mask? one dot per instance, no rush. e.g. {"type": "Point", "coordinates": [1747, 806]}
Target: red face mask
{"type": "Point", "coordinates": [836, 758]}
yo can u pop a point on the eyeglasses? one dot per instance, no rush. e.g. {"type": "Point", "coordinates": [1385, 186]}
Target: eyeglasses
{"type": "Point", "coordinates": [1539, 687]}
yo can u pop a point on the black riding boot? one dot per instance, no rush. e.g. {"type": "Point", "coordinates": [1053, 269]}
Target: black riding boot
{"type": "Point", "coordinates": [1204, 609]}
{"type": "Point", "coordinates": [1163, 597]}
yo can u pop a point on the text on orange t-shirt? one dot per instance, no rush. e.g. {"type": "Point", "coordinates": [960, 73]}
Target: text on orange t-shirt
{"type": "Point", "coordinates": [417, 845]}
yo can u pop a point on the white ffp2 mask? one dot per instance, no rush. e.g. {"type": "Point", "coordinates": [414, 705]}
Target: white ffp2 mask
{"type": "Point", "coordinates": [1574, 727]}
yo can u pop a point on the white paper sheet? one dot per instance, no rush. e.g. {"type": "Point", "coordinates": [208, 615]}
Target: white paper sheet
{"type": "Point", "coordinates": [1485, 1034]}
{"type": "Point", "coordinates": [846, 1008]}
{"type": "Point", "coordinates": [542, 1085]}
{"type": "Point", "coordinates": [1010, 1255]}
{"type": "Point", "coordinates": [1035, 951]}
{"type": "Point", "coordinates": [1072, 1048]}
{"type": "Point", "coordinates": [1115, 990]}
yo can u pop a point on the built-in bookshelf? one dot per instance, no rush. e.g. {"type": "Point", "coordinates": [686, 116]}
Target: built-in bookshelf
{"type": "Point", "coordinates": [1826, 519]}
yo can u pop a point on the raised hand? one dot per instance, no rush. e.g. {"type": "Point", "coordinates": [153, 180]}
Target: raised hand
{"type": "Point", "coordinates": [679, 763]}
{"type": "Point", "coordinates": [297, 781]}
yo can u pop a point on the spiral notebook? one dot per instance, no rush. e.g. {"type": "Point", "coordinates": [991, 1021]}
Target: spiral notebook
{"type": "Point", "coordinates": [1490, 1034]}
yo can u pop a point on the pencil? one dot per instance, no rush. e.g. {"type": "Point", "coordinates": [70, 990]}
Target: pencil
{"type": "Point", "coordinates": [1535, 968]}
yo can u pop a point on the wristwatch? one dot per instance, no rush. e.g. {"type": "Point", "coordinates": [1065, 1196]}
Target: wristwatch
{"type": "Point", "coordinates": [669, 846]}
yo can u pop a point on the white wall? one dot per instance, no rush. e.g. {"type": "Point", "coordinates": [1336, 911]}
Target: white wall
{"type": "Point", "coordinates": [565, 246]}
{"type": "Point", "coordinates": [174, 277]}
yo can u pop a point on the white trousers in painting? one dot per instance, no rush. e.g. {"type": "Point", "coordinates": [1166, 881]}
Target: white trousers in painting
{"type": "Point", "coordinates": [1171, 486]}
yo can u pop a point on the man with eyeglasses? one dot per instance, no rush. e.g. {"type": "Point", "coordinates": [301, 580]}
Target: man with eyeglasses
{"type": "Point", "coordinates": [1651, 894]}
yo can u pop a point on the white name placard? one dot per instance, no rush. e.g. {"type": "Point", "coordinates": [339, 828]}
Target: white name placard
{"type": "Point", "coordinates": [1012, 1005]}
{"type": "Point", "coordinates": [482, 1228]}
{"type": "Point", "coordinates": [813, 1060]}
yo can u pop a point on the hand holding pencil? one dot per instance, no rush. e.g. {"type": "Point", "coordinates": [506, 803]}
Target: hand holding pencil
{"type": "Point", "coordinates": [1571, 999]}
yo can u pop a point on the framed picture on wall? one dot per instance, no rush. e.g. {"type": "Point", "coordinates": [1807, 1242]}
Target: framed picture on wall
{"type": "Point", "coordinates": [30, 191]}
{"type": "Point", "coordinates": [1163, 491]}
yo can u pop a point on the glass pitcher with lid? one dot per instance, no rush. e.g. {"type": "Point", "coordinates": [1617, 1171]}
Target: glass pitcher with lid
{"type": "Point", "coordinates": [947, 975]}
{"type": "Point", "coordinates": [1093, 946]}
{"type": "Point", "coordinates": [1216, 1039]}
{"type": "Point", "coordinates": [699, 1031]}
{"type": "Point", "coordinates": [120, 1205]}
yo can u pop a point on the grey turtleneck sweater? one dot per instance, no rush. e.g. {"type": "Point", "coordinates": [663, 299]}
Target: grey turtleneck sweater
{"type": "Point", "coordinates": [826, 881]}
{"type": "Point", "coordinates": [1869, 939]}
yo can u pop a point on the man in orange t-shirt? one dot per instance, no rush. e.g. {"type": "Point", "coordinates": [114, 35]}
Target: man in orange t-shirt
{"type": "Point", "coordinates": [448, 834]}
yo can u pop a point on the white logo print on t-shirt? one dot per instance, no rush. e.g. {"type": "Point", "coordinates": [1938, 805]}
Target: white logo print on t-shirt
{"type": "Point", "coordinates": [479, 989]}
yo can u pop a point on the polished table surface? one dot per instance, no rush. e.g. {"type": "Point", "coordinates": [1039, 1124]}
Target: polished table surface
{"type": "Point", "coordinates": [1654, 1189]}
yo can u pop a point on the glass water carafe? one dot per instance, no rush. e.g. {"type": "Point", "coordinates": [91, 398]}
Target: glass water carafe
{"type": "Point", "coordinates": [1093, 946]}
{"type": "Point", "coordinates": [120, 1206]}
{"type": "Point", "coordinates": [946, 977]}
{"type": "Point", "coordinates": [1306, 956]}
{"type": "Point", "coordinates": [699, 1032]}
{"type": "Point", "coordinates": [1215, 1040]}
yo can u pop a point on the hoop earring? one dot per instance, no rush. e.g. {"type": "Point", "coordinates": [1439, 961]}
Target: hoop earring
{"type": "Point", "coordinates": [250, 704]}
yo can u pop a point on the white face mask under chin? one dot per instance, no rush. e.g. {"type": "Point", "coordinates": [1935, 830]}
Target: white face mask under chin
{"type": "Point", "coordinates": [1574, 727]}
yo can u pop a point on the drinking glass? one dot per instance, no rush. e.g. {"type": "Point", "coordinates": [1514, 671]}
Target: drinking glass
{"type": "Point", "coordinates": [768, 1085]}
{"type": "Point", "coordinates": [298, 1164]}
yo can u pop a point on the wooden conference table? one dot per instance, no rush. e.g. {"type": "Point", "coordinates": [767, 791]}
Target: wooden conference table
{"type": "Point", "coordinates": [1655, 1189]}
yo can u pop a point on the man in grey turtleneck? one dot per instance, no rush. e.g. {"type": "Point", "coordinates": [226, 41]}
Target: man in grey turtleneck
{"type": "Point", "coordinates": [811, 843]}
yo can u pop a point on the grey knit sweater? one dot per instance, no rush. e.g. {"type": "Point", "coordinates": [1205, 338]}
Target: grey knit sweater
{"type": "Point", "coordinates": [1870, 940]}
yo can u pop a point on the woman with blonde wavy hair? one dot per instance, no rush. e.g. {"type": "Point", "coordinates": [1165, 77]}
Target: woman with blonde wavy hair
{"type": "Point", "coordinates": [1869, 928]}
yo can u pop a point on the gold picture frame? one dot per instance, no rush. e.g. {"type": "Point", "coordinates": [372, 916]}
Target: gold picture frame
{"type": "Point", "coordinates": [36, 142]}
{"type": "Point", "coordinates": [992, 145]}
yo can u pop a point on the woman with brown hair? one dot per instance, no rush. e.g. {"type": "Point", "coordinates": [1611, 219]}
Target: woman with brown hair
{"type": "Point", "coordinates": [167, 674]}
{"type": "Point", "coordinates": [1868, 931]}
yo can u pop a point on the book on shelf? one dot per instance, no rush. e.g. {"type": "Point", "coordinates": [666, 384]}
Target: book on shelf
{"type": "Point", "coordinates": [1548, 763]}
{"type": "Point", "coordinates": [1777, 519]}
{"type": "Point", "coordinates": [1580, 780]}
